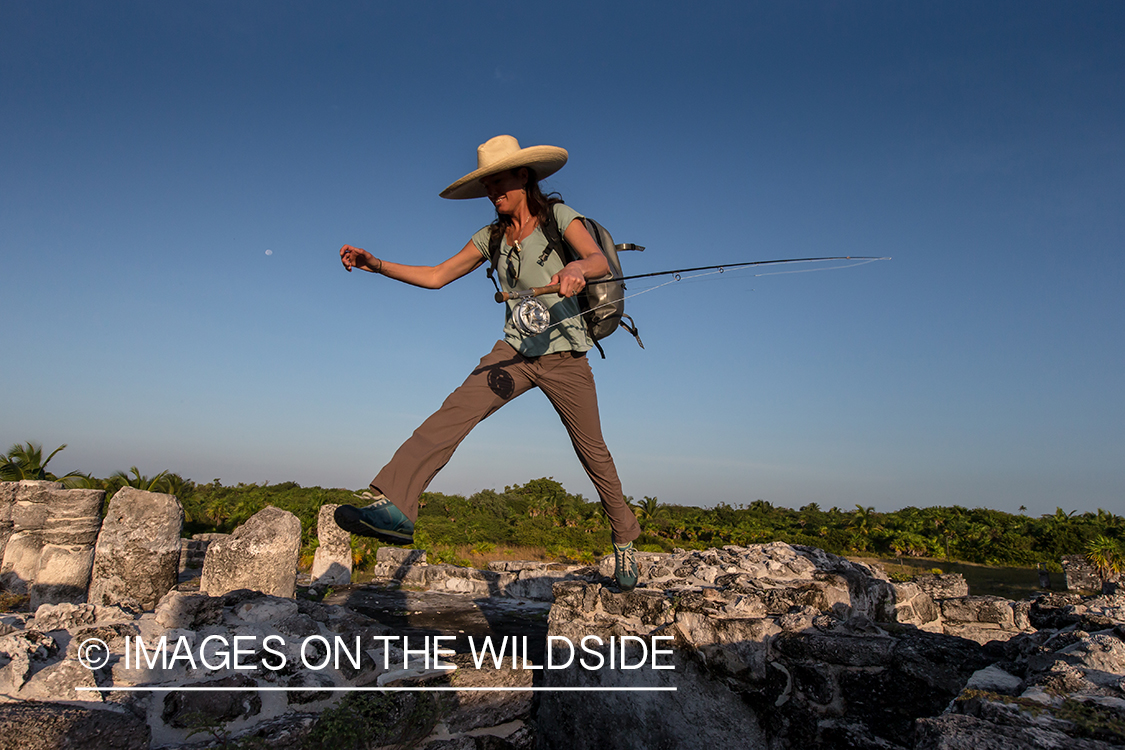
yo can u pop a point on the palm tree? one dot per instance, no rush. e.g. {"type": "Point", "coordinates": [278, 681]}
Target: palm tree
{"type": "Point", "coordinates": [217, 509]}
{"type": "Point", "coordinates": [1109, 521]}
{"type": "Point", "coordinates": [26, 462]}
{"type": "Point", "coordinates": [176, 485]}
{"type": "Point", "coordinates": [1060, 517]}
{"type": "Point", "coordinates": [593, 521]}
{"type": "Point", "coordinates": [645, 510]}
{"type": "Point", "coordinates": [1106, 557]}
{"type": "Point", "coordinates": [139, 481]}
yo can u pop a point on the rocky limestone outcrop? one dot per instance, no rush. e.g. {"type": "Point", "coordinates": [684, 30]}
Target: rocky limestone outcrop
{"type": "Point", "coordinates": [781, 646]}
{"type": "Point", "coordinates": [50, 551]}
{"type": "Point", "coordinates": [942, 585]}
{"type": "Point", "coordinates": [332, 561]}
{"type": "Point", "coordinates": [7, 500]}
{"type": "Point", "coordinates": [985, 618]}
{"type": "Point", "coordinates": [767, 646]}
{"type": "Point", "coordinates": [1062, 686]}
{"type": "Point", "coordinates": [778, 646]}
{"type": "Point", "coordinates": [520, 579]}
{"type": "Point", "coordinates": [393, 562]}
{"type": "Point", "coordinates": [137, 555]}
{"type": "Point", "coordinates": [195, 640]}
{"type": "Point", "coordinates": [261, 555]}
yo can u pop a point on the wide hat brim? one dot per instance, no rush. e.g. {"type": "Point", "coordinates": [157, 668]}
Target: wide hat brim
{"type": "Point", "coordinates": [500, 154]}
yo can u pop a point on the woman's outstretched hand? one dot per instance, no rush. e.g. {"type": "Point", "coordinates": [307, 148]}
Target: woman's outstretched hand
{"type": "Point", "coordinates": [357, 257]}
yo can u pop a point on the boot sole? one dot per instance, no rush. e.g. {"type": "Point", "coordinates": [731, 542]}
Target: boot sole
{"type": "Point", "coordinates": [349, 519]}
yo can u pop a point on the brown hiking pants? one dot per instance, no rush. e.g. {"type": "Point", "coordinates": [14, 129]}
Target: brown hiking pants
{"type": "Point", "coordinates": [502, 375]}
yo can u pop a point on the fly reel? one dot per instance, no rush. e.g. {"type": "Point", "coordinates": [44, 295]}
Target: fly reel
{"type": "Point", "coordinates": [531, 317]}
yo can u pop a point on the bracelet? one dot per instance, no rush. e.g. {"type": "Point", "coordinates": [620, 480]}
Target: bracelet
{"type": "Point", "coordinates": [380, 268]}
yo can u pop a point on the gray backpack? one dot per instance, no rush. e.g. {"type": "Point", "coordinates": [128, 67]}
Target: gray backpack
{"type": "Point", "coordinates": [603, 300]}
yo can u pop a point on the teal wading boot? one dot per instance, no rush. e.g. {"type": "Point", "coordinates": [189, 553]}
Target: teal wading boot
{"type": "Point", "coordinates": [381, 520]}
{"type": "Point", "coordinates": [625, 572]}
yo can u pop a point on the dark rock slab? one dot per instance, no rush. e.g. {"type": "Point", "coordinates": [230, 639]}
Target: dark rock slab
{"type": "Point", "coordinates": [30, 725]}
{"type": "Point", "coordinates": [421, 613]}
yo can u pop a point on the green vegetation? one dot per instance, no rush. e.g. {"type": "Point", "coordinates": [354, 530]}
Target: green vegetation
{"type": "Point", "coordinates": [541, 515]}
{"type": "Point", "coordinates": [26, 462]}
{"type": "Point", "coordinates": [395, 720]}
{"type": "Point", "coordinates": [1106, 556]}
{"type": "Point", "coordinates": [1093, 721]}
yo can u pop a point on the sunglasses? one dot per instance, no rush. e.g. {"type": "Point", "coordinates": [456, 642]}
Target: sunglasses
{"type": "Point", "coordinates": [514, 268]}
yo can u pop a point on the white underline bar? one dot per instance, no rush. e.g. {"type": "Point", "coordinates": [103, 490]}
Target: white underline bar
{"type": "Point", "coordinates": [166, 689]}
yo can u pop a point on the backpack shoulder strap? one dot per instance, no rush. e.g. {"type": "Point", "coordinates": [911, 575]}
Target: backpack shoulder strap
{"type": "Point", "coordinates": [555, 241]}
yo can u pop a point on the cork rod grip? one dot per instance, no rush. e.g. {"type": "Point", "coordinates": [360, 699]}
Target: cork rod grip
{"type": "Point", "coordinates": [536, 292]}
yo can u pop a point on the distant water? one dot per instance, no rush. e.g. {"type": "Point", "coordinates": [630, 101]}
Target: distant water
{"type": "Point", "coordinates": [984, 580]}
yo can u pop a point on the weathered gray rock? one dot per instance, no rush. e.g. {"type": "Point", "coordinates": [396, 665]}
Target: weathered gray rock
{"type": "Point", "coordinates": [1080, 575]}
{"type": "Point", "coordinates": [399, 556]}
{"type": "Point", "coordinates": [1059, 687]}
{"type": "Point", "coordinates": [137, 555]}
{"type": "Point", "coordinates": [22, 654]}
{"type": "Point", "coordinates": [979, 721]}
{"type": "Point", "coordinates": [261, 555]}
{"type": "Point", "coordinates": [960, 732]}
{"type": "Point", "coordinates": [68, 616]}
{"type": "Point", "coordinates": [983, 618]}
{"type": "Point", "coordinates": [1100, 655]}
{"type": "Point", "coordinates": [194, 551]}
{"type": "Point", "coordinates": [993, 679]}
{"type": "Point", "coordinates": [44, 666]}
{"type": "Point", "coordinates": [188, 611]}
{"type": "Point", "coordinates": [51, 547]}
{"type": "Point", "coordinates": [63, 574]}
{"type": "Point", "coordinates": [536, 580]}
{"type": "Point", "coordinates": [476, 710]}
{"type": "Point", "coordinates": [914, 606]}
{"type": "Point", "coordinates": [523, 581]}
{"type": "Point", "coordinates": [50, 726]}
{"type": "Point", "coordinates": [943, 586]}
{"type": "Point", "coordinates": [811, 654]}
{"type": "Point", "coordinates": [7, 500]}
{"type": "Point", "coordinates": [777, 646]}
{"type": "Point", "coordinates": [702, 714]}
{"type": "Point", "coordinates": [332, 561]}
{"type": "Point", "coordinates": [210, 537]}
{"type": "Point", "coordinates": [192, 554]}
{"type": "Point", "coordinates": [19, 561]}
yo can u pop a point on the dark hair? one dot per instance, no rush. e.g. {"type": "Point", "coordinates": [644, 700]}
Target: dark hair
{"type": "Point", "coordinates": [538, 203]}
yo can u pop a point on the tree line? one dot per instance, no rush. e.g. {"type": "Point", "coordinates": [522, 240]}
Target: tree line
{"type": "Point", "coordinates": [542, 514]}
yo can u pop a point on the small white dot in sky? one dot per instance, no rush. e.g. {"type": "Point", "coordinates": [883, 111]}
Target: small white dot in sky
{"type": "Point", "coordinates": [269, 252]}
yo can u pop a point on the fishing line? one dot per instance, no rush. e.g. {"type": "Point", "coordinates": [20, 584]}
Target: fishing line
{"type": "Point", "coordinates": [533, 310]}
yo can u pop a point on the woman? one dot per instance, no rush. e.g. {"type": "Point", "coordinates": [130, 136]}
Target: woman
{"type": "Point", "coordinates": [554, 361]}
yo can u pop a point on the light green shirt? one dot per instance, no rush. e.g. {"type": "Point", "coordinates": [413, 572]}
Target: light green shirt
{"type": "Point", "coordinates": [568, 329]}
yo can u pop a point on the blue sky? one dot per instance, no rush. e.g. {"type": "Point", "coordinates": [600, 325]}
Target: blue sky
{"type": "Point", "coordinates": [176, 180]}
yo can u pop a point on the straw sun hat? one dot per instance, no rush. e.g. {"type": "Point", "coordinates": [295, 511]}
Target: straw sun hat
{"type": "Point", "coordinates": [500, 154]}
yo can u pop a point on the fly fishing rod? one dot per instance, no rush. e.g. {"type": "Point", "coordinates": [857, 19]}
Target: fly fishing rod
{"type": "Point", "coordinates": [554, 288]}
{"type": "Point", "coordinates": [531, 317]}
